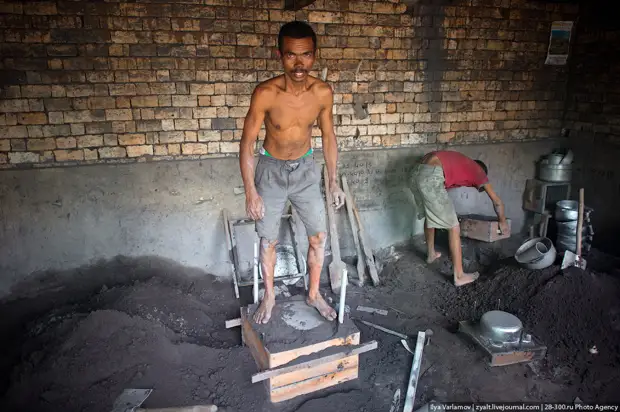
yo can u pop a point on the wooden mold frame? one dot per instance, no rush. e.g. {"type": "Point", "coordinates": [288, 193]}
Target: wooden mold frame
{"type": "Point", "coordinates": [284, 381]}
{"type": "Point", "coordinates": [503, 356]}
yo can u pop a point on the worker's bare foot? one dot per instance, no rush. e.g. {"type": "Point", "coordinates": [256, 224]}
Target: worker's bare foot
{"type": "Point", "coordinates": [465, 278]}
{"type": "Point", "coordinates": [324, 309]}
{"type": "Point", "coordinates": [263, 313]}
{"type": "Point", "coordinates": [432, 257]}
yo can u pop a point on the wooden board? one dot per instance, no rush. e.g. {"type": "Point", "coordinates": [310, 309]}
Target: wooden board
{"type": "Point", "coordinates": [345, 353]}
{"type": "Point", "coordinates": [483, 228]}
{"type": "Point", "coordinates": [312, 385]}
{"type": "Point", "coordinates": [282, 342]}
{"type": "Point", "coordinates": [319, 370]}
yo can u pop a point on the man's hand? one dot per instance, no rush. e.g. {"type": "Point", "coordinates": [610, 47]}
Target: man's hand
{"type": "Point", "coordinates": [337, 195]}
{"type": "Point", "coordinates": [254, 206]}
{"type": "Point", "coordinates": [503, 226]}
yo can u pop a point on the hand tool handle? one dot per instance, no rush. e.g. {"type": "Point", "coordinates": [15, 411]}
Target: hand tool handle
{"type": "Point", "coordinates": [580, 221]}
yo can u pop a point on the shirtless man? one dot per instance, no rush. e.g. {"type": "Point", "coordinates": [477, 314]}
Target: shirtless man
{"type": "Point", "coordinates": [437, 172]}
{"type": "Point", "coordinates": [289, 105]}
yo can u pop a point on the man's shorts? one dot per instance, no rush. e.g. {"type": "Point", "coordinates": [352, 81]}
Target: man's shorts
{"type": "Point", "coordinates": [431, 196]}
{"type": "Point", "coordinates": [297, 181]}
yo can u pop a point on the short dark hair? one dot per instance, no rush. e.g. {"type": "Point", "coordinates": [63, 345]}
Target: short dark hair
{"type": "Point", "coordinates": [483, 166]}
{"type": "Point", "coordinates": [296, 30]}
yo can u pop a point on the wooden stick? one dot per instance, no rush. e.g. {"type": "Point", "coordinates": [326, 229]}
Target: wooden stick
{"type": "Point", "coordinates": [335, 274]}
{"type": "Point", "coordinates": [580, 222]}
{"type": "Point", "coordinates": [415, 373]}
{"type": "Point", "coordinates": [369, 257]}
{"type": "Point", "coordinates": [233, 323]}
{"type": "Point", "coordinates": [230, 250]}
{"type": "Point", "coordinates": [361, 270]}
{"type": "Point", "coordinates": [270, 373]}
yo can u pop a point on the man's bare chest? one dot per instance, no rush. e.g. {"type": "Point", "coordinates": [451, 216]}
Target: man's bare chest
{"type": "Point", "coordinates": [294, 112]}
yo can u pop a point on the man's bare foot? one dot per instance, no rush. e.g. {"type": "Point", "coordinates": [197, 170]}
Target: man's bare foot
{"type": "Point", "coordinates": [324, 309]}
{"type": "Point", "coordinates": [465, 278]}
{"type": "Point", "coordinates": [263, 313]}
{"type": "Point", "coordinates": [431, 259]}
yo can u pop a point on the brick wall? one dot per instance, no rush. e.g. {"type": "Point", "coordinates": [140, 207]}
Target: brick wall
{"type": "Point", "coordinates": [594, 89]}
{"type": "Point", "coordinates": [87, 82]}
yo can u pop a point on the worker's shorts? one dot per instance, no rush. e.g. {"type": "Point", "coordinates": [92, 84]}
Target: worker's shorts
{"type": "Point", "coordinates": [297, 181]}
{"type": "Point", "coordinates": [431, 196]}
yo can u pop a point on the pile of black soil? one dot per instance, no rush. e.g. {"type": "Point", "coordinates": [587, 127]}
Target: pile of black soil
{"type": "Point", "coordinates": [576, 314]}
{"type": "Point", "coordinates": [76, 340]}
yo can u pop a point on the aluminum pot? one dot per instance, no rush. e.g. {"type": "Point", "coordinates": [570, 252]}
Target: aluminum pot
{"type": "Point", "coordinates": [555, 172]}
{"type": "Point", "coordinates": [566, 210]}
{"type": "Point", "coordinates": [544, 261]}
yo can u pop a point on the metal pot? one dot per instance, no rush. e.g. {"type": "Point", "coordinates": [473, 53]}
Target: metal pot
{"type": "Point", "coordinates": [544, 261]}
{"type": "Point", "coordinates": [555, 172]}
{"type": "Point", "coordinates": [566, 210]}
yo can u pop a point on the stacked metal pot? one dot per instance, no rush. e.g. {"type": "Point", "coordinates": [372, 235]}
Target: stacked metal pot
{"type": "Point", "coordinates": [566, 216]}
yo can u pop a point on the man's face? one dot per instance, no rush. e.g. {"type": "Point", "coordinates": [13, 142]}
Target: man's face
{"type": "Point", "coordinates": [297, 57]}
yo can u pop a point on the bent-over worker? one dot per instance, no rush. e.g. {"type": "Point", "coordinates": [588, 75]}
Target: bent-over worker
{"type": "Point", "coordinates": [437, 172]}
{"type": "Point", "coordinates": [289, 105]}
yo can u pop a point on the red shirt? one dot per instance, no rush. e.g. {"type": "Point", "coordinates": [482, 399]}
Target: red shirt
{"type": "Point", "coordinates": [459, 170]}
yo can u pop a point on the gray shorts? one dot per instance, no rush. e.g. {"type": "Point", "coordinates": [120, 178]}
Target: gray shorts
{"type": "Point", "coordinates": [432, 198]}
{"type": "Point", "coordinates": [297, 181]}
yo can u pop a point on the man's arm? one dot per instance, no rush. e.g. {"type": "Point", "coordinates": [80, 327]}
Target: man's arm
{"type": "Point", "coordinates": [330, 146]}
{"type": "Point", "coordinates": [498, 205]}
{"type": "Point", "coordinates": [251, 127]}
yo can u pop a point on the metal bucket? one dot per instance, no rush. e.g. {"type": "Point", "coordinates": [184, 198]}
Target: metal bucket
{"type": "Point", "coordinates": [555, 172]}
{"type": "Point", "coordinates": [567, 210]}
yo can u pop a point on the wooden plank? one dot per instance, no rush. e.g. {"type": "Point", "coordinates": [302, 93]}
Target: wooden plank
{"type": "Point", "coordinates": [483, 228]}
{"type": "Point", "coordinates": [233, 323]}
{"type": "Point", "coordinates": [312, 385]}
{"type": "Point", "coordinates": [282, 358]}
{"type": "Point", "coordinates": [361, 268]}
{"type": "Point", "coordinates": [231, 256]}
{"type": "Point", "coordinates": [319, 370]}
{"type": "Point", "coordinates": [252, 341]}
{"type": "Point", "coordinates": [369, 257]}
{"type": "Point", "coordinates": [337, 265]}
{"type": "Point", "coordinates": [366, 347]}
{"type": "Point", "coordinates": [415, 373]}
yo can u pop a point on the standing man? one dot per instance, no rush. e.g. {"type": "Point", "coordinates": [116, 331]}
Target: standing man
{"type": "Point", "coordinates": [437, 172]}
{"type": "Point", "coordinates": [289, 105]}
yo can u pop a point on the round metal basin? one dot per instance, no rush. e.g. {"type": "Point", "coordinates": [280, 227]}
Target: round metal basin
{"type": "Point", "coordinates": [501, 327]}
{"type": "Point", "coordinates": [542, 262]}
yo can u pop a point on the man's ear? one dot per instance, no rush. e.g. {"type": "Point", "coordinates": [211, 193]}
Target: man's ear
{"type": "Point", "coordinates": [278, 54]}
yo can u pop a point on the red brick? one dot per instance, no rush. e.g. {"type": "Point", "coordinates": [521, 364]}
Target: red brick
{"type": "Point", "coordinates": [195, 148]}
{"type": "Point", "coordinates": [112, 152]}
{"type": "Point", "coordinates": [31, 118]}
{"type": "Point", "coordinates": [137, 151]}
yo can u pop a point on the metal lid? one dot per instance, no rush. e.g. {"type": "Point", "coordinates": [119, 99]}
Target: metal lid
{"type": "Point", "coordinates": [501, 326]}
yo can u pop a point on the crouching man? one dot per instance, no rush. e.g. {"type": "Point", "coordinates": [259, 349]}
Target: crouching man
{"type": "Point", "coordinates": [437, 172]}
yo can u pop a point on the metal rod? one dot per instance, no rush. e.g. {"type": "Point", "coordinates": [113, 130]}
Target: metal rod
{"type": "Point", "coordinates": [415, 372]}
{"type": "Point", "coordinates": [255, 272]}
{"type": "Point", "coordinates": [386, 330]}
{"type": "Point", "coordinates": [343, 292]}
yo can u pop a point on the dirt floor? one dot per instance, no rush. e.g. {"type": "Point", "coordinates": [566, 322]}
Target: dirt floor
{"type": "Point", "coordinates": [73, 341]}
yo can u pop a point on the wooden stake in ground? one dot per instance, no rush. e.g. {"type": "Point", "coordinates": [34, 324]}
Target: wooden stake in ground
{"type": "Point", "coordinates": [368, 255]}
{"type": "Point", "coordinates": [337, 266]}
{"type": "Point", "coordinates": [361, 269]}
{"type": "Point", "coordinates": [415, 373]}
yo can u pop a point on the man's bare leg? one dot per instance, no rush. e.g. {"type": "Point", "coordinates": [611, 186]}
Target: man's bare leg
{"type": "Point", "coordinates": [316, 256]}
{"type": "Point", "coordinates": [429, 234]}
{"type": "Point", "coordinates": [268, 263]}
{"type": "Point", "coordinates": [460, 278]}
